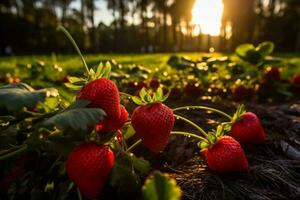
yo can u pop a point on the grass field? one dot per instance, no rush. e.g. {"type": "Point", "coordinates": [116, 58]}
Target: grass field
{"type": "Point", "coordinates": [147, 60]}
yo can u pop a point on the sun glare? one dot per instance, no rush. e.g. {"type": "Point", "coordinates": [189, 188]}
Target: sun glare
{"type": "Point", "coordinates": [208, 15]}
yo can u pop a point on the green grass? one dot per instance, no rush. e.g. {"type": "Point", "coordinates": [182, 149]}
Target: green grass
{"type": "Point", "coordinates": [73, 61]}
{"type": "Point", "coordinates": [69, 62]}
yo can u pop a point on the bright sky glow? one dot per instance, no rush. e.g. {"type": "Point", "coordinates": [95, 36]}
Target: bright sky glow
{"type": "Point", "coordinates": [208, 15]}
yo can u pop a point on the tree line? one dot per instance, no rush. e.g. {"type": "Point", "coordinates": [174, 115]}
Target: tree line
{"type": "Point", "coordinates": [29, 26]}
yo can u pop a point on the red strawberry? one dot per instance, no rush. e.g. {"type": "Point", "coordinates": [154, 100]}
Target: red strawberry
{"type": "Point", "coordinates": [191, 90]}
{"type": "Point", "coordinates": [296, 79]}
{"type": "Point", "coordinates": [141, 84]}
{"type": "Point", "coordinates": [153, 124]}
{"type": "Point", "coordinates": [119, 136]}
{"type": "Point", "coordinates": [203, 153]}
{"type": "Point", "coordinates": [89, 166]}
{"type": "Point", "coordinates": [273, 73]}
{"type": "Point", "coordinates": [103, 93]}
{"type": "Point", "coordinates": [248, 130]}
{"type": "Point", "coordinates": [111, 124]}
{"type": "Point", "coordinates": [154, 83]}
{"type": "Point", "coordinates": [226, 155]}
{"type": "Point", "coordinates": [241, 93]}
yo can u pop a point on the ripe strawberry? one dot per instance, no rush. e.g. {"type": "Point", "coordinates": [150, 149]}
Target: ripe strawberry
{"type": "Point", "coordinates": [154, 83]}
{"type": "Point", "coordinates": [191, 90]}
{"type": "Point", "coordinates": [273, 73]}
{"type": "Point", "coordinates": [296, 79]}
{"type": "Point", "coordinates": [141, 84]}
{"type": "Point", "coordinates": [89, 166]}
{"type": "Point", "coordinates": [153, 124]}
{"type": "Point", "coordinates": [111, 124]}
{"type": "Point", "coordinates": [119, 136]}
{"type": "Point", "coordinates": [226, 155]}
{"type": "Point", "coordinates": [241, 92]}
{"type": "Point", "coordinates": [103, 93]}
{"type": "Point", "coordinates": [247, 129]}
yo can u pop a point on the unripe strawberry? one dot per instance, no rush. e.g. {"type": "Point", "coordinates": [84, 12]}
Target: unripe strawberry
{"type": "Point", "coordinates": [88, 166]}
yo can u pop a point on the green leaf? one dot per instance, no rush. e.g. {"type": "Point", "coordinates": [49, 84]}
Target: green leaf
{"type": "Point", "coordinates": [76, 119]}
{"type": "Point", "coordinates": [106, 70]}
{"type": "Point", "coordinates": [265, 48]}
{"type": "Point", "coordinates": [161, 187]}
{"type": "Point", "coordinates": [74, 79]}
{"type": "Point", "coordinates": [129, 132]}
{"type": "Point", "coordinates": [242, 50]}
{"type": "Point", "coordinates": [82, 103]}
{"type": "Point", "coordinates": [99, 70]}
{"type": "Point", "coordinates": [140, 164]}
{"type": "Point", "coordinates": [143, 94]}
{"type": "Point", "coordinates": [137, 100]}
{"type": "Point", "coordinates": [124, 178]}
{"type": "Point", "coordinates": [202, 144]}
{"type": "Point", "coordinates": [73, 87]}
{"type": "Point", "coordinates": [16, 96]}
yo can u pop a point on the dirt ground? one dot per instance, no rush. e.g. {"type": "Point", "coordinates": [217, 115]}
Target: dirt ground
{"type": "Point", "coordinates": [274, 166]}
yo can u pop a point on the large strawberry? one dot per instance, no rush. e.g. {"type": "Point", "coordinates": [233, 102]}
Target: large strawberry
{"type": "Point", "coordinates": [89, 166]}
{"type": "Point", "coordinates": [152, 120]}
{"type": "Point", "coordinates": [112, 124]}
{"type": "Point", "coordinates": [226, 155]}
{"type": "Point", "coordinates": [246, 128]}
{"type": "Point", "coordinates": [103, 93]}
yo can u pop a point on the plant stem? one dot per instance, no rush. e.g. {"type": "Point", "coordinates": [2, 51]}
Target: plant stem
{"type": "Point", "coordinates": [192, 123]}
{"type": "Point", "coordinates": [203, 108]}
{"type": "Point", "coordinates": [188, 134]}
{"type": "Point", "coordinates": [79, 194]}
{"type": "Point", "coordinates": [134, 145]}
{"type": "Point", "coordinates": [69, 36]}
{"type": "Point", "coordinates": [23, 148]}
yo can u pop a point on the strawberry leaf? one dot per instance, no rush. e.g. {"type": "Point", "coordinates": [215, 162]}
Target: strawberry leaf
{"type": "Point", "coordinates": [16, 96]}
{"type": "Point", "coordinates": [76, 119]}
{"type": "Point", "coordinates": [161, 187]}
{"type": "Point", "coordinates": [140, 164]}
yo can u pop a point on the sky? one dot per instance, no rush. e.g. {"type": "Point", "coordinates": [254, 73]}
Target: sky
{"type": "Point", "coordinates": [102, 14]}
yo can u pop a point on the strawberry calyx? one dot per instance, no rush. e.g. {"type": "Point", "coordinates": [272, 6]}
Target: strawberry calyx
{"type": "Point", "coordinates": [237, 115]}
{"type": "Point", "coordinates": [102, 71]}
{"type": "Point", "coordinates": [146, 98]}
{"type": "Point", "coordinates": [211, 138]}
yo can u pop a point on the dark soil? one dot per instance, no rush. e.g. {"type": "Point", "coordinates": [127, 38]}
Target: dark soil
{"type": "Point", "coordinates": [274, 166]}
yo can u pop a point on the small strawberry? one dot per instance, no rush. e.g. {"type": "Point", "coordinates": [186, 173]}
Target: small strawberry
{"type": "Point", "coordinates": [141, 84]}
{"type": "Point", "coordinates": [154, 83]}
{"type": "Point", "coordinates": [296, 79]}
{"type": "Point", "coordinates": [89, 165]}
{"type": "Point", "coordinates": [111, 124]}
{"type": "Point", "coordinates": [103, 93]}
{"type": "Point", "coordinates": [119, 136]}
{"type": "Point", "coordinates": [226, 155]}
{"type": "Point", "coordinates": [273, 73]}
{"type": "Point", "coordinates": [192, 90]}
{"type": "Point", "coordinates": [246, 128]}
{"type": "Point", "coordinates": [152, 120]}
{"type": "Point", "coordinates": [240, 92]}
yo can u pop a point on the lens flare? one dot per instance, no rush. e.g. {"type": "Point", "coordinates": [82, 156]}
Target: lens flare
{"type": "Point", "coordinates": [208, 15]}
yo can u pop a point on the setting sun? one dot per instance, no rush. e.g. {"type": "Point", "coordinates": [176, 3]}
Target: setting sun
{"type": "Point", "coordinates": [208, 15]}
